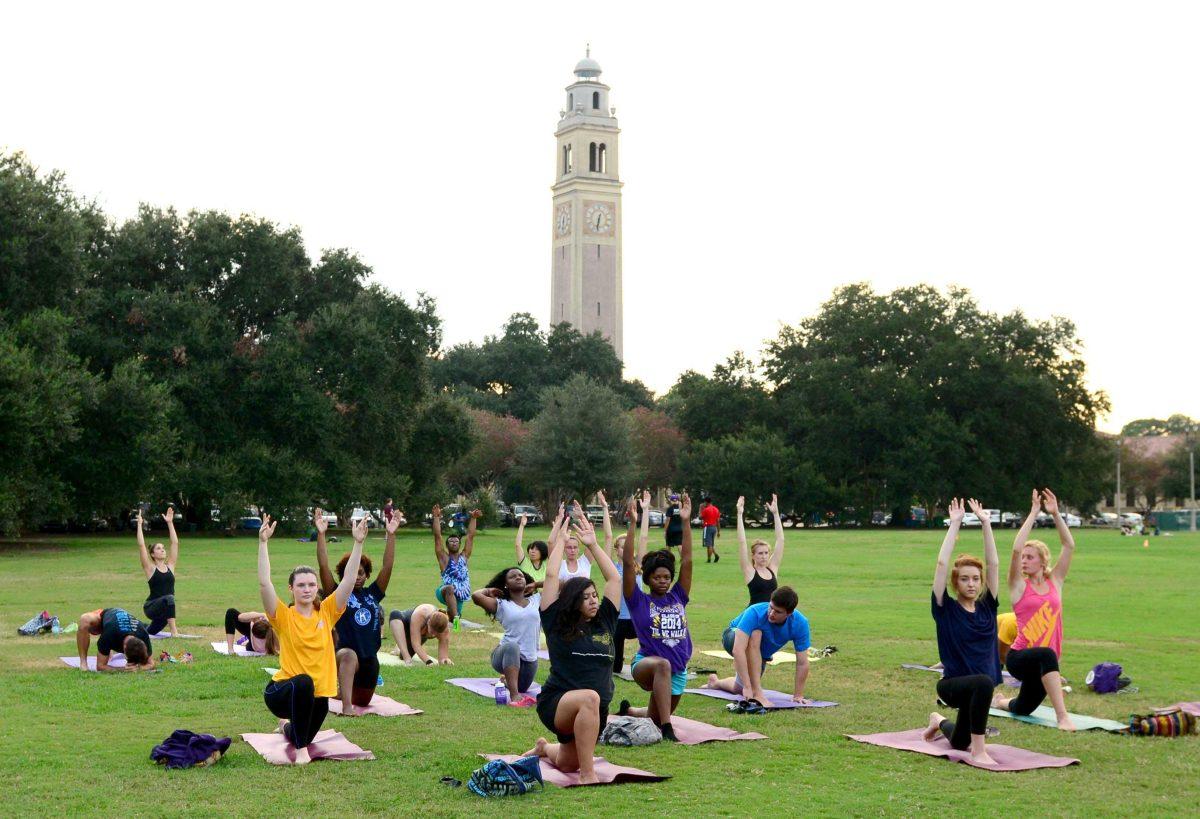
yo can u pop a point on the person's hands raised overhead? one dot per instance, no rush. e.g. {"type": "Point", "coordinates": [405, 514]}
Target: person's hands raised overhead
{"type": "Point", "coordinates": [319, 521]}
{"type": "Point", "coordinates": [267, 528]}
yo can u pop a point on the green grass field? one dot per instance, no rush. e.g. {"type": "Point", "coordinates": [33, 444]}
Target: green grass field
{"type": "Point", "coordinates": [79, 744]}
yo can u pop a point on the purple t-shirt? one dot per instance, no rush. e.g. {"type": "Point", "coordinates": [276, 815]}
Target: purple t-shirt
{"type": "Point", "coordinates": [661, 625]}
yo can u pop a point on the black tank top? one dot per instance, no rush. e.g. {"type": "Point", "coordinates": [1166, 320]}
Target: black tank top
{"type": "Point", "coordinates": [161, 583]}
{"type": "Point", "coordinates": [760, 588]}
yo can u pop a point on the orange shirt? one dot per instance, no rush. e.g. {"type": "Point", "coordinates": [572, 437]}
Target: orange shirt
{"type": "Point", "coordinates": [306, 644]}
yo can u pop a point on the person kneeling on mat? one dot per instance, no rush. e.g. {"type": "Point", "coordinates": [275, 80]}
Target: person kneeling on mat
{"type": "Point", "coordinates": [299, 691]}
{"type": "Point", "coordinates": [516, 658]}
{"type": "Point", "coordinates": [579, 624]}
{"type": "Point", "coordinates": [412, 627]}
{"type": "Point", "coordinates": [119, 631]}
{"type": "Point", "coordinates": [358, 633]}
{"type": "Point", "coordinates": [660, 621]}
{"type": "Point", "coordinates": [753, 638]}
{"type": "Point", "coordinates": [966, 637]}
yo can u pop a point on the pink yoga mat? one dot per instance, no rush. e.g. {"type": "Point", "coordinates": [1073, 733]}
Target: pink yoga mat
{"type": "Point", "coordinates": [776, 699]}
{"type": "Point", "coordinates": [1007, 757]}
{"type": "Point", "coordinates": [380, 706]}
{"type": "Point", "coordinates": [1192, 708]}
{"type": "Point", "coordinates": [486, 686]}
{"type": "Point", "coordinates": [114, 661]}
{"type": "Point", "coordinates": [694, 732]}
{"type": "Point", "coordinates": [606, 772]}
{"type": "Point", "coordinates": [327, 745]}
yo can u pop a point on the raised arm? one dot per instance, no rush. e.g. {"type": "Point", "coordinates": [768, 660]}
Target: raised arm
{"type": "Point", "coordinates": [991, 560]}
{"type": "Point", "coordinates": [520, 539]}
{"type": "Point", "coordinates": [943, 561]}
{"type": "Point", "coordinates": [342, 593]}
{"type": "Point", "coordinates": [743, 549]}
{"type": "Point", "coordinates": [629, 566]}
{"type": "Point", "coordinates": [1014, 563]}
{"type": "Point", "coordinates": [328, 584]}
{"type": "Point", "coordinates": [147, 563]}
{"type": "Point", "coordinates": [608, 535]}
{"type": "Point", "coordinates": [644, 531]}
{"type": "Point", "coordinates": [586, 535]}
{"type": "Point", "coordinates": [470, 545]}
{"type": "Point", "coordinates": [173, 553]}
{"type": "Point", "coordinates": [487, 599]}
{"type": "Point", "coordinates": [685, 546]}
{"type": "Point", "coordinates": [777, 555]}
{"type": "Point", "coordinates": [265, 588]}
{"type": "Point", "coordinates": [631, 520]}
{"type": "Point", "coordinates": [439, 551]}
{"type": "Point", "coordinates": [389, 551]}
{"type": "Point", "coordinates": [554, 561]}
{"type": "Point", "coordinates": [1064, 534]}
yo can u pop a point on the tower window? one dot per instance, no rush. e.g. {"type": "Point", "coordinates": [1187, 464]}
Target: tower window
{"type": "Point", "coordinates": [593, 165]}
{"type": "Point", "coordinates": [568, 164]}
{"type": "Point", "coordinates": [597, 309]}
{"type": "Point", "coordinates": [570, 102]}
{"type": "Point", "coordinates": [602, 159]}
{"type": "Point", "coordinates": [595, 99]}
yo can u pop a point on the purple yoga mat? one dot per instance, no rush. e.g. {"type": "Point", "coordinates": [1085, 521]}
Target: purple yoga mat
{"type": "Point", "coordinates": [327, 745]}
{"type": "Point", "coordinates": [1009, 679]}
{"type": "Point", "coordinates": [775, 699]}
{"type": "Point", "coordinates": [606, 772]}
{"type": "Point", "coordinates": [486, 686]}
{"type": "Point", "coordinates": [1007, 757]}
{"type": "Point", "coordinates": [114, 661]}
{"type": "Point", "coordinates": [380, 706]}
{"type": "Point", "coordinates": [694, 732]}
{"type": "Point", "coordinates": [166, 635]}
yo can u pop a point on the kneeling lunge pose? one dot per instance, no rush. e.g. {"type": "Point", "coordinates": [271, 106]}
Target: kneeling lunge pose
{"type": "Point", "coordinates": [455, 588]}
{"type": "Point", "coordinates": [579, 624]}
{"type": "Point", "coordinates": [966, 636]}
{"type": "Point", "coordinates": [307, 677]}
{"type": "Point", "coordinates": [504, 598]}
{"type": "Point", "coordinates": [159, 566]}
{"type": "Point", "coordinates": [359, 632]}
{"type": "Point", "coordinates": [119, 632]}
{"type": "Point", "coordinates": [412, 627]}
{"type": "Point", "coordinates": [753, 638]}
{"type": "Point", "coordinates": [1036, 591]}
{"type": "Point", "coordinates": [660, 620]}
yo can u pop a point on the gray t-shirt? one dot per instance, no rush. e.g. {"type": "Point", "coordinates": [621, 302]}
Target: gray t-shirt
{"type": "Point", "coordinates": [522, 625]}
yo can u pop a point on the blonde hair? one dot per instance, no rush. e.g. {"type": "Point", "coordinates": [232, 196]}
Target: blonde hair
{"type": "Point", "coordinates": [759, 542]}
{"type": "Point", "coordinates": [1043, 550]}
{"type": "Point", "coordinates": [437, 622]}
{"type": "Point", "coordinates": [961, 562]}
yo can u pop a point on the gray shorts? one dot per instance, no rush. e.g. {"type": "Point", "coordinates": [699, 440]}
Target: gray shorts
{"type": "Point", "coordinates": [710, 537]}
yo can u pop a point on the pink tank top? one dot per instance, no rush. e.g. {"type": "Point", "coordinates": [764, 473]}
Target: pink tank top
{"type": "Point", "coordinates": [1039, 619]}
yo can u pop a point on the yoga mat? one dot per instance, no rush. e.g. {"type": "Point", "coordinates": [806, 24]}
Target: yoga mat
{"type": "Point", "coordinates": [1044, 715]}
{"type": "Point", "coordinates": [780, 657]}
{"type": "Point", "coordinates": [776, 699]}
{"type": "Point", "coordinates": [166, 635]}
{"type": "Point", "coordinates": [486, 686]}
{"type": "Point", "coordinates": [1009, 679]}
{"type": "Point", "coordinates": [114, 661]}
{"type": "Point", "coordinates": [326, 745]}
{"type": "Point", "coordinates": [470, 625]}
{"type": "Point", "coordinates": [606, 772]}
{"type": "Point", "coordinates": [1007, 758]}
{"type": "Point", "coordinates": [542, 653]}
{"type": "Point", "coordinates": [380, 706]}
{"type": "Point", "coordinates": [1192, 708]}
{"type": "Point", "coordinates": [387, 658]}
{"type": "Point", "coordinates": [240, 651]}
{"type": "Point", "coordinates": [694, 732]}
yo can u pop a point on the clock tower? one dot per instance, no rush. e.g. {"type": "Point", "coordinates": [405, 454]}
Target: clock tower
{"type": "Point", "coordinates": [585, 270]}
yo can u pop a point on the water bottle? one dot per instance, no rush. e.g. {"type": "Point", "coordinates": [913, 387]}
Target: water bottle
{"type": "Point", "coordinates": [501, 694]}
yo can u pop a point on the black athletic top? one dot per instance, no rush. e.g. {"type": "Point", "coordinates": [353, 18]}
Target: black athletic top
{"type": "Point", "coordinates": [359, 629]}
{"type": "Point", "coordinates": [161, 583]}
{"type": "Point", "coordinates": [761, 589]}
{"type": "Point", "coordinates": [585, 662]}
{"type": "Point", "coordinates": [115, 626]}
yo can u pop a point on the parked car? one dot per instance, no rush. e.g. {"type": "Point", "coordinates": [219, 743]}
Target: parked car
{"type": "Point", "coordinates": [373, 517]}
{"type": "Point", "coordinates": [504, 515]}
{"type": "Point", "coordinates": [1105, 519]}
{"type": "Point", "coordinates": [533, 517]}
{"type": "Point", "coordinates": [1011, 520]}
{"type": "Point", "coordinates": [657, 518]}
{"type": "Point", "coordinates": [250, 521]}
{"type": "Point", "coordinates": [1045, 520]}
{"type": "Point", "coordinates": [594, 513]}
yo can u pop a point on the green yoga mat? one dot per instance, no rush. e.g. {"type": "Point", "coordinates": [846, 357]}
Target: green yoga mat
{"type": "Point", "coordinates": [1044, 715]}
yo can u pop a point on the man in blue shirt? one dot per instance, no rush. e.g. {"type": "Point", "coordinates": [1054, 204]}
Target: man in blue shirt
{"type": "Point", "coordinates": [755, 635]}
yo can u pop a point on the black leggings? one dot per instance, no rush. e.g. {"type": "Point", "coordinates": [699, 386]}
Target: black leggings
{"type": "Point", "coordinates": [624, 632]}
{"type": "Point", "coordinates": [972, 696]}
{"type": "Point", "coordinates": [293, 700]}
{"type": "Point", "coordinates": [233, 624]}
{"type": "Point", "coordinates": [1029, 665]}
{"type": "Point", "coordinates": [159, 610]}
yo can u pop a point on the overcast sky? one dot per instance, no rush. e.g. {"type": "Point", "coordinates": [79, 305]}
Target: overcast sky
{"type": "Point", "coordinates": [1044, 155]}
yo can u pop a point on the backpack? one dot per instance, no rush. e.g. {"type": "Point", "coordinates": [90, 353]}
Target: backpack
{"type": "Point", "coordinates": [629, 731]}
{"type": "Point", "coordinates": [1171, 724]}
{"type": "Point", "coordinates": [1105, 678]}
{"type": "Point", "coordinates": [36, 624]}
{"type": "Point", "coordinates": [500, 778]}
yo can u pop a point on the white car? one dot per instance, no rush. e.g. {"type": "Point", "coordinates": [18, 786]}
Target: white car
{"type": "Point", "coordinates": [971, 520]}
{"type": "Point", "coordinates": [1047, 520]}
{"type": "Point", "coordinates": [373, 517]}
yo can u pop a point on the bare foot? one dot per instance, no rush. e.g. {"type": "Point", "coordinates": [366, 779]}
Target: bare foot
{"type": "Point", "coordinates": [983, 759]}
{"type": "Point", "coordinates": [713, 679]}
{"type": "Point", "coordinates": [351, 712]}
{"type": "Point", "coordinates": [588, 778]}
{"type": "Point", "coordinates": [1065, 724]}
{"type": "Point", "coordinates": [1001, 702]}
{"type": "Point", "coordinates": [282, 725]}
{"type": "Point", "coordinates": [302, 757]}
{"type": "Point", "coordinates": [935, 725]}
{"type": "Point", "coordinates": [761, 696]}
{"type": "Point", "coordinates": [538, 749]}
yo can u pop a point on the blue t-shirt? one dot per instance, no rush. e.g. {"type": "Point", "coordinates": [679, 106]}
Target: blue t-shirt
{"type": "Point", "coordinates": [624, 605]}
{"type": "Point", "coordinates": [967, 639]}
{"type": "Point", "coordinates": [359, 627]}
{"type": "Point", "coordinates": [774, 635]}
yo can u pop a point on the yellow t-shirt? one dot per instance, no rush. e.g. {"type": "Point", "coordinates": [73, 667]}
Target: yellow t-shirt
{"type": "Point", "coordinates": [306, 645]}
{"type": "Point", "coordinates": [1006, 627]}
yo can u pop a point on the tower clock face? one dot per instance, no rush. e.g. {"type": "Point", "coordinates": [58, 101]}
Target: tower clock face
{"type": "Point", "coordinates": [599, 218]}
{"type": "Point", "coordinates": [562, 220]}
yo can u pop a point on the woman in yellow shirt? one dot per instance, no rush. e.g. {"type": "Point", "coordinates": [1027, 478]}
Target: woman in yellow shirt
{"type": "Point", "coordinates": [299, 692]}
